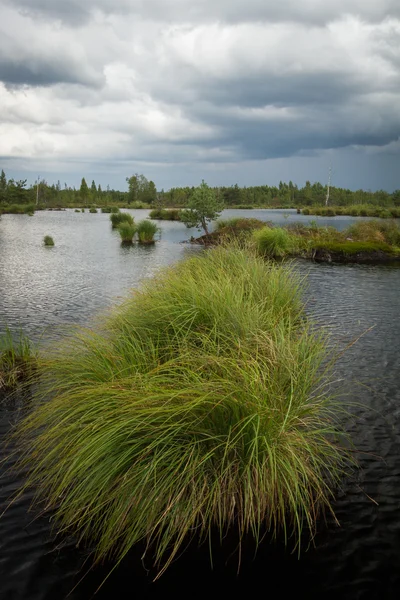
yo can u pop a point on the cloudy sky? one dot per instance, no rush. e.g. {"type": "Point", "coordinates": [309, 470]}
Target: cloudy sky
{"type": "Point", "coordinates": [246, 91]}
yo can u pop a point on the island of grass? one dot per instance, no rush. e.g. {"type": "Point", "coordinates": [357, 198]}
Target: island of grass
{"type": "Point", "coordinates": [356, 210]}
{"type": "Point", "coordinates": [165, 214]}
{"type": "Point", "coordinates": [363, 242]}
{"type": "Point", "coordinates": [201, 405]}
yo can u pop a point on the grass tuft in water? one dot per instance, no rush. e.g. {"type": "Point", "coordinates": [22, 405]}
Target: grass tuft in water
{"type": "Point", "coordinates": [119, 217]}
{"type": "Point", "coordinates": [146, 231]}
{"type": "Point", "coordinates": [127, 231]}
{"type": "Point", "coordinates": [201, 404]}
{"type": "Point", "coordinates": [48, 240]}
{"type": "Point", "coordinates": [17, 359]}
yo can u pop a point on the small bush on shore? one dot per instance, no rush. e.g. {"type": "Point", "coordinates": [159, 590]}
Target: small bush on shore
{"type": "Point", "coordinates": [48, 240]}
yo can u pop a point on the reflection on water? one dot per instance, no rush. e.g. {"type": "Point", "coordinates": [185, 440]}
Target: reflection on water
{"type": "Point", "coordinates": [87, 271]}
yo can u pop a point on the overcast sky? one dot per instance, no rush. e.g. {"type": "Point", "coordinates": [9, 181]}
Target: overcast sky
{"type": "Point", "coordinates": [230, 91]}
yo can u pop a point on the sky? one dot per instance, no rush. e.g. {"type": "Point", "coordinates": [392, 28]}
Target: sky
{"type": "Point", "coordinates": [229, 91]}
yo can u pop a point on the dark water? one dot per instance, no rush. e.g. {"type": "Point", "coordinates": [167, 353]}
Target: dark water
{"type": "Point", "coordinates": [85, 272]}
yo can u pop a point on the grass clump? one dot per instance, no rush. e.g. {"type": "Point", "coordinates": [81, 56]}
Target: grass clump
{"type": "Point", "coordinates": [127, 232]}
{"type": "Point", "coordinates": [146, 231]}
{"type": "Point", "coordinates": [17, 359]}
{"type": "Point", "coordinates": [48, 240]}
{"type": "Point", "coordinates": [93, 210]}
{"type": "Point", "coordinates": [165, 214]}
{"type": "Point", "coordinates": [237, 224]}
{"type": "Point", "coordinates": [350, 247]}
{"type": "Point", "coordinates": [274, 243]}
{"type": "Point", "coordinates": [375, 231]}
{"type": "Point", "coordinates": [199, 405]}
{"type": "Point", "coordinates": [119, 217]}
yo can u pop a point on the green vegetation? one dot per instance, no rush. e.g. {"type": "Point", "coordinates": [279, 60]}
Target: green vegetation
{"type": "Point", "coordinates": [296, 239]}
{"type": "Point", "coordinates": [127, 231]}
{"type": "Point", "coordinates": [238, 224]}
{"type": "Point", "coordinates": [18, 359]}
{"type": "Point", "coordinates": [204, 207]}
{"type": "Point", "coordinates": [17, 209]}
{"type": "Point", "coordinates": [48, 240]}
{"type": "Point", "coordinates": [119, 217]}
{"type": "Point", "coordinates": [274, 243]}
{"type": "Point", "coordinates": [201, 404]}
{"type": "Point", "coordinates": [93, 210]}
{"type": "Point", "coordinates": [353, 211]}
{"type": "Point", "coordinates": [163, 214]}
{"type": "Point", "coordinates": [375, 231]}
{"type": "Point", "coordinates": [350, 248]}
{"type": "Point", "coordinates": [140, 190]}
{"type": "Point", "coordinates": [146, 231]}
{"type": "Point", "coordinates": [77, 210]}
{"type": "Point", "coordinates": [142, 193]}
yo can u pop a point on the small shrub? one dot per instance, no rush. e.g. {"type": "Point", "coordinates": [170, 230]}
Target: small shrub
{"type": "Point", "coordinates": [106, 209]}
{"type": "Point", "coordinates": [118, 218]}
{"type": "Point", "coordinates": [127, 231]}
{"type": "Point", "coordinates": [114, 210]}
{"type": "Point", "coordinates": [146, 231]}
{"type": "Point", "coordinates": [273, 243]}
{"type": "Point", "coordinates": [83, 210]}
{"type": "Point", "coordinates": [93, 210]}
{"type": "Point", "coordinates": [48, 240]}
{"type": "Point", "coordinates": [77, 210]}
{"type": "Point", "coordinates": [306, 211]}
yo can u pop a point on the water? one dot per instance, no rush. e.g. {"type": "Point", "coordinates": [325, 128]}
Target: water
{"type": "Point", "coordinates": [87, 271]}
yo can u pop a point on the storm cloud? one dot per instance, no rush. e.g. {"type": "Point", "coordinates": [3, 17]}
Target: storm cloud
{"type": "Point", "coordinates": [199, 86]}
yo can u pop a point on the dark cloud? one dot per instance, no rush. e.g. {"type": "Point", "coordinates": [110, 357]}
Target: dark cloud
{"type": "Point", "coordinates": [185, 82]}
{"type": "Point", "coordinates": [44, 72]}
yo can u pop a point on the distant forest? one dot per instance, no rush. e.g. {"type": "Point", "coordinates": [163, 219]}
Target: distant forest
{"type": "Point", "coordinates": [142, 192]}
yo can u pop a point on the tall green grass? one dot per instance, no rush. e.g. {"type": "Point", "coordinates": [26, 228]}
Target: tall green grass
{"type": "Point", "coordinates": [146, 231]}
{"type": "Point", "coordinates": [200, 404]}
{"type": "Point", "coordinates": [274, 243]}
{"type": "Point", "coordinates": [17, 209]}
{"type": "Point", "coordinates": [17, 359]}
{"type": "Point", "coordinates": [119, 217]}
{"type": "Point", "coordinates": [127, 231]}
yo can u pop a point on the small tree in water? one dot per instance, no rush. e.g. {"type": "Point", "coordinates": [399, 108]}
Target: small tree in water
{"type": "Point", "coordinates": [203, 207]}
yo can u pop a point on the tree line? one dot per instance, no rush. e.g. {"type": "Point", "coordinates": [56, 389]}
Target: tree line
{"type": "Point", "coordinates": [141, 191]}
